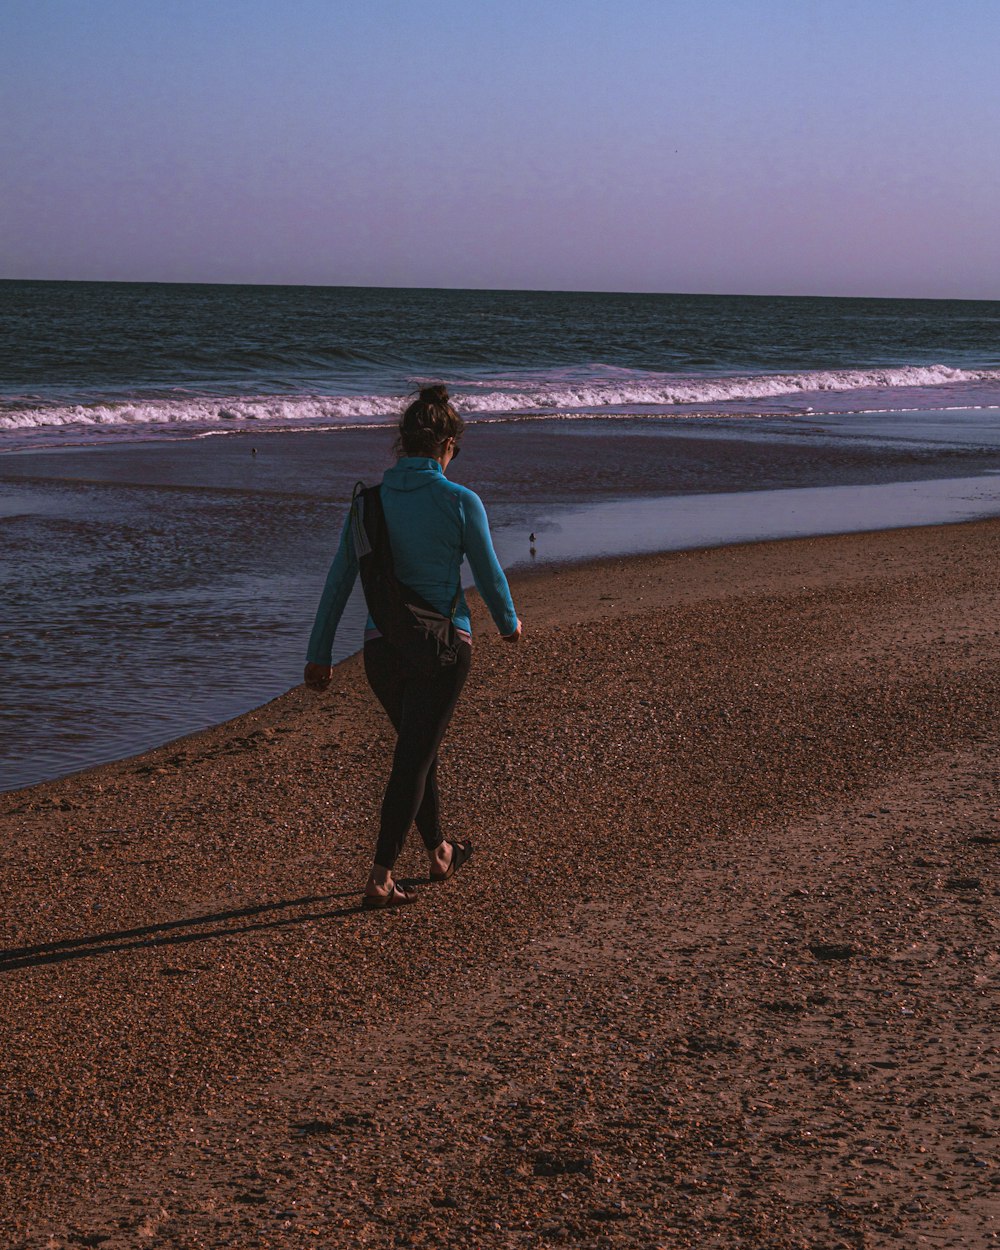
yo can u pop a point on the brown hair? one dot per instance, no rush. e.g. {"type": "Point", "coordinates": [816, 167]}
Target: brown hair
{"type": "Point", "coordinates": [428, 423]}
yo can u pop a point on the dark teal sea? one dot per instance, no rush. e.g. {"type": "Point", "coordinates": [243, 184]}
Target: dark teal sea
{"type": "Point", "coordinates": [85, 362]}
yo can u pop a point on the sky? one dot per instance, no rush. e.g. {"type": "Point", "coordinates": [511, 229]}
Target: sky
{"type": "Point", "coordinates": [823, 147]}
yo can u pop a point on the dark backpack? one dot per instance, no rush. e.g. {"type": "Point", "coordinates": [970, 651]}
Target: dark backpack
{"type": "Point", "coordinates": [421, 635]}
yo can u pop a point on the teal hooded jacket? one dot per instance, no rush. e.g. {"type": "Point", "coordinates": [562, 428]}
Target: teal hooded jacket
{"type": "Point", "coordinates": [433, 524]}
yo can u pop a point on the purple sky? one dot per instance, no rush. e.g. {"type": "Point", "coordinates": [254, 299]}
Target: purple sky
{"type": "Point", "coordinates": [760, 146]}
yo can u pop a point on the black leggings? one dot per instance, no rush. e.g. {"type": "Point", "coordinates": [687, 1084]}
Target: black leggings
{"type": "Point", "coordinates": [420, 709]}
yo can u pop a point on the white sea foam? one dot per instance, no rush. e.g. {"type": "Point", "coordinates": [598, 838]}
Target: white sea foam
{"type": "Point", "coordinates": [203, 412]}
{"type": "Point", "coordinates": [670, 390]}
{"type": "Point", "coordinates": [602, 389]}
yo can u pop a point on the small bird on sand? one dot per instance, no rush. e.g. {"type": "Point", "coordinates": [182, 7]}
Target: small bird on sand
{"type": "Point", "coordinates": [253, 451]}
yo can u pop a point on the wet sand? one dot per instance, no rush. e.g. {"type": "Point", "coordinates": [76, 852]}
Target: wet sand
{"type": "Point", "coordinates": [722, 972]}
{"type": "Point", "coordinates": [195, 566]}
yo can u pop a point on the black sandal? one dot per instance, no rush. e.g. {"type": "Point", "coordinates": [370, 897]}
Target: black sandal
{"type": "Point", "coordinates": [460, 852]}
{"type": "Point", "coordinates": [396, 897]}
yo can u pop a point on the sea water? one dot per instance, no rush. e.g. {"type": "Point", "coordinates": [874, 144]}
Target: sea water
{"type": "Point", "coordinates": [179, 460]}
{"type": "Point", "coordinates": [85, 362]}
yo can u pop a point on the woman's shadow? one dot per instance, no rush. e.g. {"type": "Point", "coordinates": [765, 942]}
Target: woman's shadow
{"type": "Point", "coordinates": [206, 928]}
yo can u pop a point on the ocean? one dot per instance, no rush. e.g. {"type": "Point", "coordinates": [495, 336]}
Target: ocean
{"type": "Point", "coordinates": [95, 362]}
{"type": "Point", "coordinates": [175, 461]}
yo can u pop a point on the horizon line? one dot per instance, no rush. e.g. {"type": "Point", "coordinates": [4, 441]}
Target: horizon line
{"type": "Point", "coordinates": [513, 290]}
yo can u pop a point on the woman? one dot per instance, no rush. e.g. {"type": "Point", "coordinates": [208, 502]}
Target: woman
{"type": "Point", "coordinates": [433, 524]}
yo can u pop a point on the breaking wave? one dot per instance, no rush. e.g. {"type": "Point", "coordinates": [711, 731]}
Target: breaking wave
{"type": "Point", "coordinates": [591, 390]}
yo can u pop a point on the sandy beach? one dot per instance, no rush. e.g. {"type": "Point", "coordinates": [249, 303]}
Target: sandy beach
{"type": "Point", "coordinates": [722, 973]}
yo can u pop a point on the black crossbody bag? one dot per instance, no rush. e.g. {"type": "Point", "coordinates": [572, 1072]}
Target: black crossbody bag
{"type": "Point", "coordinates": [424, 637]}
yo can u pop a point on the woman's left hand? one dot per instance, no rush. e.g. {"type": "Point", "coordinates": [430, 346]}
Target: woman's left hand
{"type": "Point", "coordinates": [318, 676]}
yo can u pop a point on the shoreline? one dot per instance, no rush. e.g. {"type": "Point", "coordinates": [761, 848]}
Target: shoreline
{"type": "Point", "coordinates": [198, 566]}
{"type": "Point", "coordinates": [611, 517]}
{"type": "Point", "coordinates": [521, 574]}
{"type": "Point", "coordinates": [207, 1043]}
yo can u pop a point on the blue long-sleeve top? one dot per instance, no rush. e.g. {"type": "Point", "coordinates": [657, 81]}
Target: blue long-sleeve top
{"type": "Point", "coordinates": [433, 524]}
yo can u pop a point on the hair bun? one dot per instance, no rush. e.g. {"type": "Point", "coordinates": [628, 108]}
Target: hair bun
{"type": "Point", "coordinates": [428, 423]}
{"type": "Point", "coordinates": [437, 394]}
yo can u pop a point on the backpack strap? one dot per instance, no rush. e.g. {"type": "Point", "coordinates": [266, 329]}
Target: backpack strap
{"type": "Point", "coordinates": [368, 531]}
{"type": "Point", "coordinates": [359, 530]}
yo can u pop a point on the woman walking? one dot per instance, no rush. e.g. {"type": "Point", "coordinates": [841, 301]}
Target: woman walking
{"type": "Point", "coordinates": [433, 524]}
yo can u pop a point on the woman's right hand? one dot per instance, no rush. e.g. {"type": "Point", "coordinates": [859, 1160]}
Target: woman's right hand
{"type": "Point", "coordinates": [318, 676]}
{"type": "Point", "coordinates": [515, 636]}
